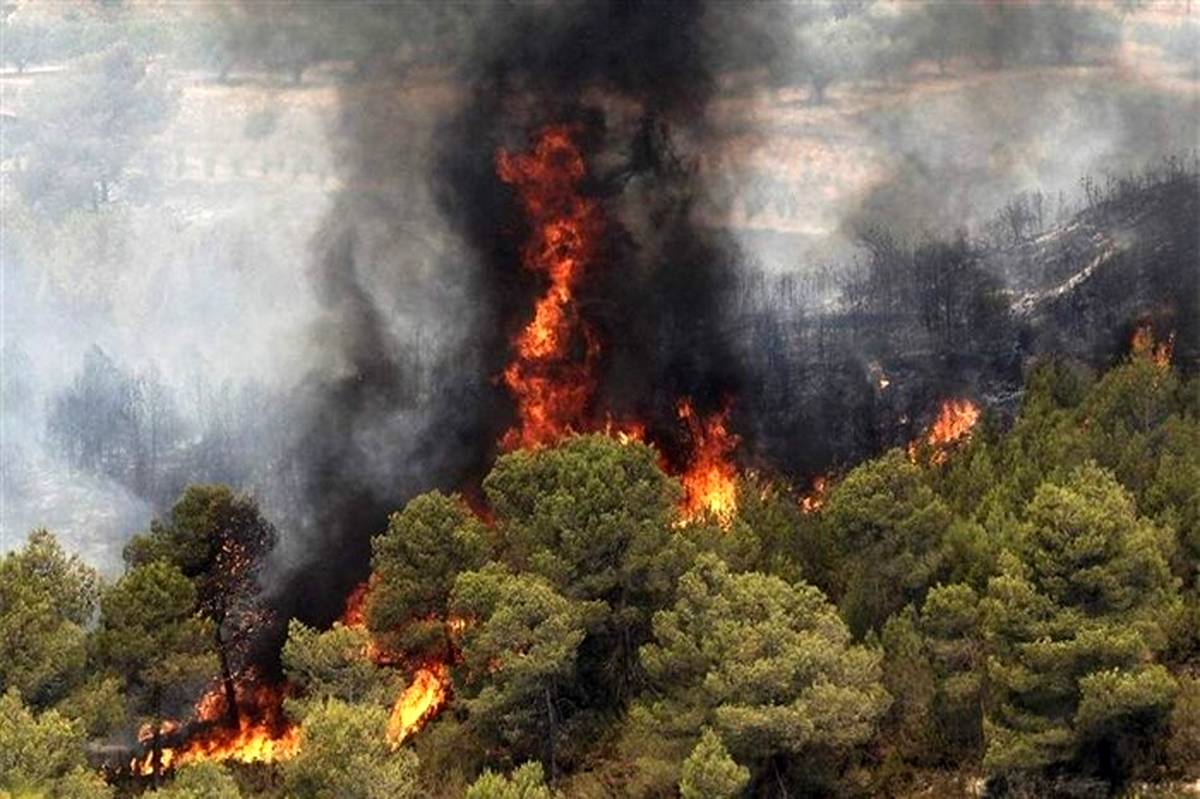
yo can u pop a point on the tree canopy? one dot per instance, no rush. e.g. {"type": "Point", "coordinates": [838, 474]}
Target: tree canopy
{"type": "Point", "coordinates": [1023, 608]}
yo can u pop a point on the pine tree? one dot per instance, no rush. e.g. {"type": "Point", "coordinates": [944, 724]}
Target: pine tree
{"type": "Point", "coordinates": [889, 527]}
{"type": "Point", "coordinates": [519, 654]}
{"type": "Point", "coordinates": [710, 773]}
{"type": "Point", "coordinates": [415, 562]}
{"type": "Point", "coordinates": [1073, 624]}
{"type": "Point", "coordinates": [768, 665]}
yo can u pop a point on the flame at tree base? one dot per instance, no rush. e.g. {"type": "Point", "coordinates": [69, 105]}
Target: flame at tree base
{"type": "Point", "coordinates": [428, 692]}
{"type": "Point", "coordinates": [262, 735]}
{"type": "Point", "coordinates": [814, 500]}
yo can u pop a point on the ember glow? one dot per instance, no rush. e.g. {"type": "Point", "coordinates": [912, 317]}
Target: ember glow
{"type": "Point", "coordinates": [955, 421]}
{"type": "Point", "coordinates": [424, 698]}
{"type": "Point", "coordinates": [550, 376]}
{"type": "Point", "coordinates": [710, 479]}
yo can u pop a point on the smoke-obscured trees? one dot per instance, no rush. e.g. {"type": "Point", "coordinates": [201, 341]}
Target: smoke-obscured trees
{"type": "Point", "coordinates": [1001, 35]}
{"type": "Point", "coordinates": [86, 126]}
{"type": "Point", "coordinates": [813, 44]}
{"type": "Point", "coordinates": [940, 287]}
{"type": "Point", "coordinates": [290, 39]}
{"type": "Point", "coordinates": [89, 421]}
{"type": "Point", "coordinates": [50, 34]}
{"type": "Point", "coordinates": [153, 437]}
{"type": "Point", "coordinates": [26, 42]}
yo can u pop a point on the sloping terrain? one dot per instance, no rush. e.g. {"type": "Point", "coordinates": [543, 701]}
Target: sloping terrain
{"type": "Point", "coordinates": [1134, 256]}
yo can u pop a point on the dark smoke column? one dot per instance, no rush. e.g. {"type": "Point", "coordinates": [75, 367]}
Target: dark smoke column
{"type": "Point", "coordinates": [426, 237]}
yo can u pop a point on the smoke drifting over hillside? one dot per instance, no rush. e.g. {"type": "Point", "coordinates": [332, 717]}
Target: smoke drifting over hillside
{"type": "Point", "coordinates": [759, 168]}
{"type": "Point", "coordinates": [665, 96]}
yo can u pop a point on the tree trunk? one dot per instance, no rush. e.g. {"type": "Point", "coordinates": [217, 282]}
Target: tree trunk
{"type": "Point", "coordinates": [783, 791]}
{"type": "Point", "coordinates": [818, 91]}
{"type": "Point", "coordinates": [231, 708]}
{"type": "Point", "coordinates": [552, 724]}
{"type": "Point", "coordinates": [156, 751]}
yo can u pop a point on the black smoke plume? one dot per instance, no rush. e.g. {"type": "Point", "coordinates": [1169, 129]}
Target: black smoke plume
{"type": "Point", "coordinates": [403, 416]}
{"type": "Point", "coordinates": [419, 272]}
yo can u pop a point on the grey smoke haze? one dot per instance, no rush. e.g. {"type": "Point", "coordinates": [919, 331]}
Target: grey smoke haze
{"type": "Point", "coordinates": [299, 265]}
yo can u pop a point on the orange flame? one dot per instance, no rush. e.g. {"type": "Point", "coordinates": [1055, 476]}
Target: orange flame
{"type": "Point", "coordinates": [814, 500]}
{"type": "Point", "coordinates": [263, 735]}
{"type": "Point", "coordinates": [551, 374]}
{"type": "Point", "coordinates": [355, 614]}
{"type": "Point", "coordinates": [355, 617]}
{"type": "Point", "coordinates": [425, 696]}
{"type": "Point", "coordinates": [550, 380]}
{"type": "Point", "coordinates": [710, 479]}
{"type": "Point", "coordinates": [1145, 346]}
{"type": "Point", "coordinates": [429, 690]}
{"type": "Point", "coordinates": [626, 432]}
{"type": "Point", "coordinates": [955, 421]}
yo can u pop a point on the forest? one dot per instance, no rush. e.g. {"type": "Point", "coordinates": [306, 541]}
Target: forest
{"type": "Point", "coordinates": [1014, 610]}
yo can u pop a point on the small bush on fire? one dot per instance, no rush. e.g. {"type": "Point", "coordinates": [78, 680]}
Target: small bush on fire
{"type": "Point", "coordinates": [1016, 609]}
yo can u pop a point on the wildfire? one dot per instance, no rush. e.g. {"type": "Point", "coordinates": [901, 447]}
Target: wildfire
{"type": "Point", "coordinates": [355, 614]}
{"type": "Point", "coordinates": [355, 617]}
{"type": "Point", "coordinates": [549, 377]}
{"type": "Point", "coordinates": [710, 479]}
{"type": "Point", "coordinates": [1144, 345]}
{"type": "Point", "coordinates": [814, 500]}
{"type": "Point", "coordinates": [954, 422]}
{"type": "Point", "coordinates": [425, 696]}
{"type": "Point", "coordinates": [624, 431]}
{"type": "Point", "coordinates": [263, 735]}
{"type": "Point", "coordinates": [551, 374]}
{"type": "Point", "coordinates": [429, 690]}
